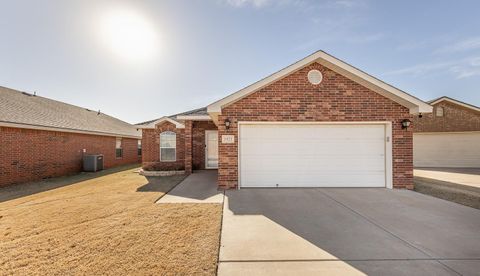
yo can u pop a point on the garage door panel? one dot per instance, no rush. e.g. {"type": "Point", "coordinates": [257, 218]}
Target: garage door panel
{"type": "Point", "coordinates": [283, 162]}
{"type": "Point", "coordinates": [318, 179]}
{"type": "Point", "coordinates": [286, 147]}
{"type": "Point", "coordinates": [312, 155]}
{"type": "Point", "coordinates": [456, 150]}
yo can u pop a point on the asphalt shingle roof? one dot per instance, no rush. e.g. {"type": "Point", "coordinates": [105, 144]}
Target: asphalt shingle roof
{"type": "Point", "coordinates": [24, 108]}
{"type": "Point", "coordinates": [194, 112]}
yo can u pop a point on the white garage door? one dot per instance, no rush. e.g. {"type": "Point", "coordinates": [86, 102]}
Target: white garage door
{"type": "Point", "coordinates": [450, 150]}
{"type": "Point", "coordinates": [315, 155]}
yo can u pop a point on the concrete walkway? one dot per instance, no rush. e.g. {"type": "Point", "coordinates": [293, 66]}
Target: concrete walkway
{"type": "Point", "coordinates": [465, 176]}
{"type": "Point", "coordinates": [199, 187]}
{"type": "Point", "coordinates": [346, 232]}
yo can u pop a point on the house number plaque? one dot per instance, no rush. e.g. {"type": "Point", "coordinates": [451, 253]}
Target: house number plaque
{"type": "Point", "coordinates": [228, 139]}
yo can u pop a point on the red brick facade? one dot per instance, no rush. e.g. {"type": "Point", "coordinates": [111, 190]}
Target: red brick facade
{"type": "Point", "coordinates": [151, 149]}
{"type": "Point", "coordinates": [337, 98]}
{"type": "Point", "coordinates": [29, 155]}
{"type": "Point", "coordinates": [190, 146]}
{"type": "Point", "coordinates": [456, 118]}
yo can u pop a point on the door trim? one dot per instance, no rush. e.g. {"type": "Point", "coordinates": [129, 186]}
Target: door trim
{"type": "Point", "coordinates": [388, 143]}
{"type": "Point", "coordinates": [206, 150]}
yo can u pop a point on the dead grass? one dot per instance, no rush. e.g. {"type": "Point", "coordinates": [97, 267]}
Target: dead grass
{"type": "Point", "coordinates": [107, 225]}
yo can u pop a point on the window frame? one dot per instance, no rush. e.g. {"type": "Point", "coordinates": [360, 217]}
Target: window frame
{"type": "Point", "coordinates": [118, 150]}
{"type": "Point", "coordinates": [139, 147]}
{"type": "Point", "coordinates": [174, 147]}
{"type": "Point", "coordinates": [442, 111]}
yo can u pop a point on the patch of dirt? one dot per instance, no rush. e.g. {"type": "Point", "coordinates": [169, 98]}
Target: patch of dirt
{"type": "Point", "coordinates": [108, 225]}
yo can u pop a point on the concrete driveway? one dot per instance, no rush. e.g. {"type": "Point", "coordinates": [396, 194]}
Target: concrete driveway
{"type": "Point", "coordinates": [463, 176]}
{"type": "Point", "coordinates": [347, 231]}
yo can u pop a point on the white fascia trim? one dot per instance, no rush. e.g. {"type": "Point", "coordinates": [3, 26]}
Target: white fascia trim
{"type": "Point", "coordinates": [194, 117]}
{"type": "Point", "coordinates": [414, 104]}
{"type": "Point", "coordinates": [161, 120]}
{"type": "Point", "coordinates": [455, 102]}
{"type": "Point", "coordinates": [57, 129]}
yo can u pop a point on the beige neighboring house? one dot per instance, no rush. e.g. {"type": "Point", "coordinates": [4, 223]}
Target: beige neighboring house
{"type": "Point", "coordinates": [449, 137]}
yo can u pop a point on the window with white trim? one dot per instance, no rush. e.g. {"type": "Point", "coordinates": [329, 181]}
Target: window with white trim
{"type": "Point", "coordinates": [118, 148]}
{"type": "Point", "coordinates": [168, 146]}
{"type": "Point", "coordinates": [139, 147]}
{"type": "Point", "coordinates": [439, 112]}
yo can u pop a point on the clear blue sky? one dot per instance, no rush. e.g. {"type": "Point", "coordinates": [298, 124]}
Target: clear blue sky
{"type": "Point", "coordinates": [182, 55]}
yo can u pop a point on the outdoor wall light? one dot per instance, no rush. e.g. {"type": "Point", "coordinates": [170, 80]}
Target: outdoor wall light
{"type": "Point", "coordinates": [406, 123]}
{"type": "Point", "coordinates": [227, 124]}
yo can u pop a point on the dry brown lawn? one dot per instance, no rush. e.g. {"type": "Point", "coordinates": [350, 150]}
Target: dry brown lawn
{"type": "Point", "coordinates": [105, 225]}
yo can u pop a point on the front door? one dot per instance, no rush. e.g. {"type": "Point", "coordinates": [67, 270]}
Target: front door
{"type": "Point", "coordinates": [211, 149]}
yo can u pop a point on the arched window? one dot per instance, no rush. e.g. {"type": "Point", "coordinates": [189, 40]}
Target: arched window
{"type": "Point", "coordinates": [168, 146]}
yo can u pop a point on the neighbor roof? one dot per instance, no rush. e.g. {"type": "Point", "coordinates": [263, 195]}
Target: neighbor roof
{"type": "Point", "coordinates": [176, 119]}
{"type": "Point", "coordinates": [448, 99]}
{"type": "Point", "coordinates": [24, 110]}
{"type": "Point", "coordinates": [414, 104]}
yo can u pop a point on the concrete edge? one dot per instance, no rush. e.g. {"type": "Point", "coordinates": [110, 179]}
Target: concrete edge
{"type": "Point", "coordinates": [160, 173]}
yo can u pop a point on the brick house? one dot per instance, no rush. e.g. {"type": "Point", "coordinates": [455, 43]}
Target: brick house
{"type": "Point", "coordinates": [448, 137]}
{"type": "Point", "coordinates": [319, 122]}
{"type": "Point", "coordinates": [42, 138]}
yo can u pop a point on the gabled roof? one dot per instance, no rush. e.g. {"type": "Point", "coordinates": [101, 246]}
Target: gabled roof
{"type": "Point", "coordinates": [414, 104]}
{"type": "Point", "coordinates": [24, 110]}
{"type": "Point", "coordinates": [448, 99]}
{"type": "Point", "coordinates": [177, 119]}
{"type": "Point", "coordinates": [153, 123]}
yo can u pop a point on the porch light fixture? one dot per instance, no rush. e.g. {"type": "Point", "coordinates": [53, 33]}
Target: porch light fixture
{"type": "Point", "coordinates": [227, 124]}
{"type": "Point", "coordinates": [406, 123]}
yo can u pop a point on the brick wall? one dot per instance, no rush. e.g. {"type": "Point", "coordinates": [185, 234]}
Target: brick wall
{"type": "Point", "coordinates": [151, 146]}
{"type": "Point", "coordinates": [455, 118]}
{"type": "Point", "coordinates": [29, 155]}
{"type": "Point", "coordinates": [337, 98]}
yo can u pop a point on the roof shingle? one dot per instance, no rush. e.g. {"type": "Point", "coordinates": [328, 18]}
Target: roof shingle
{"type": "Point", "coordinates": [30, 110]}
{"type": "Point", "coordinates": [194, 112]}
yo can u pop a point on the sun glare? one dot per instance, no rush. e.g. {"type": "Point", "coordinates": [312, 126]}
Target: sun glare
{"type": "Point", "coordinates": [129, 35]}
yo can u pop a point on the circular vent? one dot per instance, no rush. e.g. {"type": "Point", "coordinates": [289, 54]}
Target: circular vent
{"type": "Point", "coordinates": [315, 77]}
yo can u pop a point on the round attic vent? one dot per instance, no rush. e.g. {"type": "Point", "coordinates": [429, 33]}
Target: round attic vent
{"type": "Point", "coordinates": [315, 77]}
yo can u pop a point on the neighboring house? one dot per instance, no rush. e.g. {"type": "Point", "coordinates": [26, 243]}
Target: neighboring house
{"type": "Point", "coordinates": [448, 137]}
{"type": "Point", "coordinates": [43, 138]}
{"type": "Point", "coordinates": [317, 123]}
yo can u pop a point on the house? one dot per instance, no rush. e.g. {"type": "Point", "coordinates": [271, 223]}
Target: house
{"type": "Point", "coordinates": [43, 138]}
{"type": "Point", "coordinates": [319, 122]}
{"type": "Point", "coordinates": [449, 137]}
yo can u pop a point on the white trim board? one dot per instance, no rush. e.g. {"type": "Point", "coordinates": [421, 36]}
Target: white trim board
{"type": "Point", "coordinates": [414, 104]}
{"type": "Point", "coordinates": [388, 143]}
